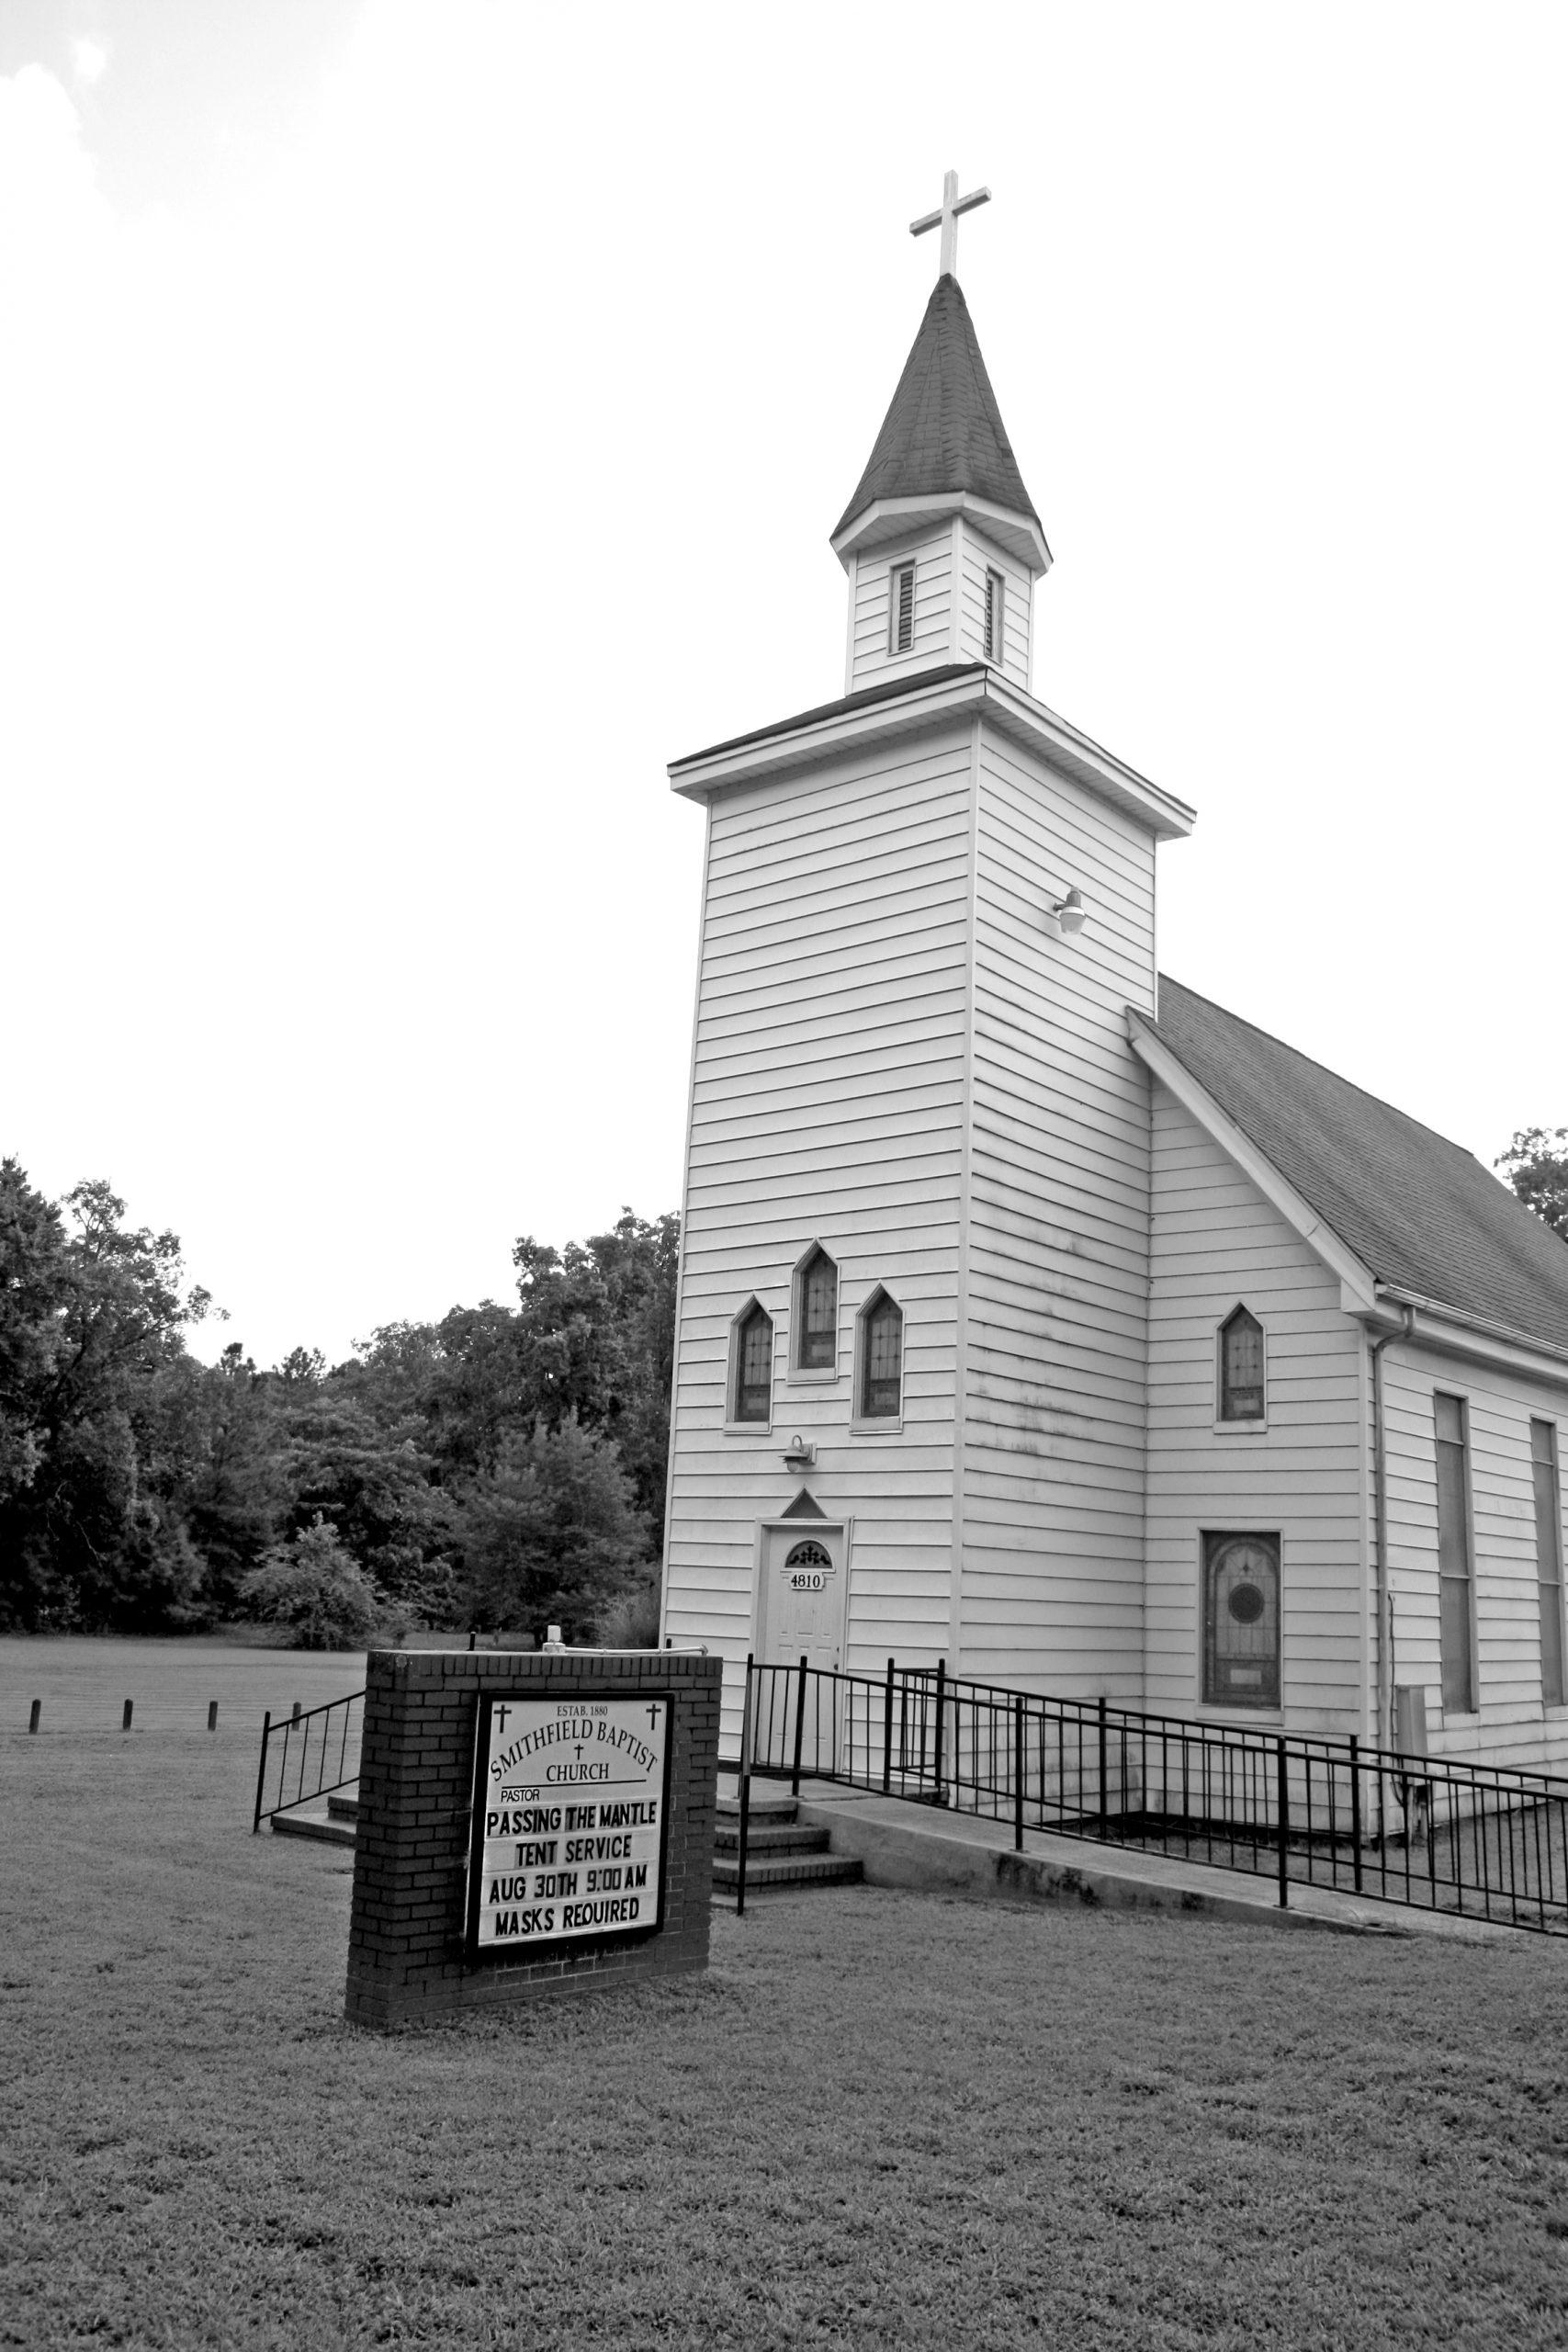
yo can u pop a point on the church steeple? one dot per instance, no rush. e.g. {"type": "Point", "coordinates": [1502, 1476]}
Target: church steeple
{"type": "Point", "coordinates": [940, 540]}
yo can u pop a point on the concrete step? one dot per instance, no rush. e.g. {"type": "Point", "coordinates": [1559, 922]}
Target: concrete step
{"type": "Point", "coordinates": [789, 1870]}
{"type": "Point", "coordinates": [313, 1825]}
{"type": "Point", "coordinates": [763, 1837]}
{"type": "Point", "coordinates": [772, 1810]}
{"type": "Point", "coordinates": [342, 1808]}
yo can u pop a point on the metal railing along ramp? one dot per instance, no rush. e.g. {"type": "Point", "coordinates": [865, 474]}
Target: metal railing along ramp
{"type": "Point", "coordinates": [1485, 1842]}
{"type": "Point", "coordinates": [307, 1754]}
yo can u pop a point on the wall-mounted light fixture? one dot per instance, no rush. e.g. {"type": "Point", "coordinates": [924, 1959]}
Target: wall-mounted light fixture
{"type": "Point", "coordinates": [1068, 917]}
{"type": "Point", "coordinates": [799, 1454]}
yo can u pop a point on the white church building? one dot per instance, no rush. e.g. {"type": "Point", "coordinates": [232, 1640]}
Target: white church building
{"type": "Point", "coordinates": [1036, 1314]}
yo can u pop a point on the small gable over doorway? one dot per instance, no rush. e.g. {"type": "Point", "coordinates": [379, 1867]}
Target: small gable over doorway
{"type": "Point", "coordinates": [805, 1506]}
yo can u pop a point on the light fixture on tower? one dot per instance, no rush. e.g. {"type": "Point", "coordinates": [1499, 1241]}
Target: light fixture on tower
{"type": "Point", "coordinates": [946, 220]}
{"type": "Point", "coordinates": [1067, 917]}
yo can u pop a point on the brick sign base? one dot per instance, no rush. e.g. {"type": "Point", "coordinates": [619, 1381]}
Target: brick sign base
{"type": "Point", "coordinates": [406, 1955]}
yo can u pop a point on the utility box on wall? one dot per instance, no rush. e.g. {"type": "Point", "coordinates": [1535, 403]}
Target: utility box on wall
{"type": "Point", "coordinates": [529, 1823]}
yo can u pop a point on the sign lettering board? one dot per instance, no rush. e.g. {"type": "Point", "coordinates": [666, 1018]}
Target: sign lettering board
{"type": "Point", "coordinates": [571, 1802]}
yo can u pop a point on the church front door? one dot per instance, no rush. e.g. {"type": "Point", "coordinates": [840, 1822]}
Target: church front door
{"type": "Point", "coordinates": [800, 1613]}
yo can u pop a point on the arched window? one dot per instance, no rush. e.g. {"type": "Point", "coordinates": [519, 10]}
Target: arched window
{"type": "Point", "coordinates": [816, 1314]}
{"type": "Point", "coordinates": [752, 1396]}
{"type": "Point", "coordinates": [1241, 1614]}
{"type": "Point", "coordinates": [881, 1382]}
{"type": "Point", "coordinates": [1241, 1367]}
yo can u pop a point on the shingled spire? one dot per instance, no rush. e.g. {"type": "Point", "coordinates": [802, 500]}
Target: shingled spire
{"type": "Point", "coordinates": [944, 448]}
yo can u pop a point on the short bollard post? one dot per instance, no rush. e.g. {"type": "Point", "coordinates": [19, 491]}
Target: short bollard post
{"type": "Point", "coordinates": [299, 1711]}
{"type": "Point", "coordinates": [212, 1714]}
{"type": "Point", "coordinates": [125, 1720]}
{"type": "Point", "coordinates": [36, 1711]}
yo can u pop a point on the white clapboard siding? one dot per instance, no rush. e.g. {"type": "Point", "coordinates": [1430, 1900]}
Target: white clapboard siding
{"type": "Point", "coordinates": [1216, 1243]}
{"type": "Point", "coordinates": [1057, 1267]}
{"type": "Point", "coordinates": [1512, 1726]}
{"type": "Point", "coordinates": [932, 555]}
{"type": "Point", "coordinates": [827, 1105]}
{"type": "Point", "coordinates": [978, 555]}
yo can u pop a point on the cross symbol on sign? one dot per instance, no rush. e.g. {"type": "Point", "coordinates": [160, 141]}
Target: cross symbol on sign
{"type": "Point", "coordinates": [952, 204]}
{"type": "Point", "coordinates": [652, 1714]}
{"type": "Point", "coordinates": [578, 1749]}
{"type": "Point", "coordinates": [500, 1714]}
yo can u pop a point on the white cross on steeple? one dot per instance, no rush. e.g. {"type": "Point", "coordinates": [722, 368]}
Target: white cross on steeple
{"type": "Point", "coordinates": [952, 204]}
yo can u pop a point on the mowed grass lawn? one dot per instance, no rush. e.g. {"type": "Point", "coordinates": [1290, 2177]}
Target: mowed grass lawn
{"type": "Point", "coordinates": [879, 2119]}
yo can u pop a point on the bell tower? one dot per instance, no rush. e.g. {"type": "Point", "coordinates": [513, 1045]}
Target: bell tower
{"type": "Point", "coordinates": [940, 540]}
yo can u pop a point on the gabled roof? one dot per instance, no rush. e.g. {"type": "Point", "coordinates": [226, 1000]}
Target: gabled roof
{"type": "Point", "coordinates": [1422, 1214]}
{"type": "Point", "coordinates": [943, 432]}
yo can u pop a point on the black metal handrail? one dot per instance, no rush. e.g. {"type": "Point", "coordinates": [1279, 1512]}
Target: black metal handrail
{"type": "Point", "coordinates": [300, 1750]}
{"type": "Point", "coordinates": [1484, 1841]}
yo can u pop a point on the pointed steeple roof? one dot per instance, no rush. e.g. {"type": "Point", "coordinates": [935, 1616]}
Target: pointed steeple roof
{"type": "Point", "coordinates": [942, 446]}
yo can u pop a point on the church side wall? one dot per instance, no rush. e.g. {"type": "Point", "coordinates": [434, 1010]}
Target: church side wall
{"type": "Point", "coordinates": [1512, 1724]}
{"type": "Point", "coordinates": [826, 1107]}
{"type": "Point", "coordinates": [932, 555]}
{"type": "Point", "coordinates": [1217, 1243]}
{"type": "Point", "coordinates": [1058, 1268]}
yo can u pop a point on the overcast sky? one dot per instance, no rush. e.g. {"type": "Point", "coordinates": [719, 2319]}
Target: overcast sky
{"type": "Point", "coordinates": [419, 424]}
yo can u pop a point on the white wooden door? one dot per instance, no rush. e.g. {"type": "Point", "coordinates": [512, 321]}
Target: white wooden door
{"type": "Point", "coordinates": [801, 1614]}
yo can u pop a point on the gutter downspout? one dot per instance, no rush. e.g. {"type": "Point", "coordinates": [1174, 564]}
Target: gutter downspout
{"type": "Point", "coordinates": [1384, 1726]}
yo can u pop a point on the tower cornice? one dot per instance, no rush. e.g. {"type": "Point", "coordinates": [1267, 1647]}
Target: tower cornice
{"type": "Point", "coordinates": [932, 701]}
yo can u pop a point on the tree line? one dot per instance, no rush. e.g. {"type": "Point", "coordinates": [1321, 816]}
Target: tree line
{"type": "Point", "coordinates": [502, 1468]}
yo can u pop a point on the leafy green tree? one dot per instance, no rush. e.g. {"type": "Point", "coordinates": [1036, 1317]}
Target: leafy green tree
{"type": "Point", "coordinates": [549, 1533]}
{"type": "Point", "coordinates": [35, 1283]}
{"type": "Point", "coordinates": [1537, 1162]}
{"type": "Point", "coordinates": [598, 1341]}
{"type": "Point", "coordinates": [313, 1586]}
{"type": "Point", "coordinates": [88, 1539]}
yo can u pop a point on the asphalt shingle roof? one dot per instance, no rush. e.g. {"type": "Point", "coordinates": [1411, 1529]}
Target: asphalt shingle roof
{"type": "Point", "coordinates": [1421, 1212]}
{"type": "Point", "coordinates": [944, 431]}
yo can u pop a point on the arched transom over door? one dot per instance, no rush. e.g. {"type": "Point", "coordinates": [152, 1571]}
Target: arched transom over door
{"type": "Point", "coordinates": [801, 1604]}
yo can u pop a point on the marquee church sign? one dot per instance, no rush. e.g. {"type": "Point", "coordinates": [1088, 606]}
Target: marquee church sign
{"type": "Point", "coordinates": [530, 1824]}
{"type": "Point", "coordinates": [571, 1811]}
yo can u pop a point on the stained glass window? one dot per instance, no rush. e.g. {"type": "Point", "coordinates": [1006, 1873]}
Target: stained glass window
{"type": "Point", "coordinates": [882, 1361]}
{"type": "Point", "coordinates": [754, 1367]}
{"type": "Point", "coordinates": [1241, 1368]}
{"type": "Point", "coordinates": [1241, 1614]}
{"type": "Point", "coordinates": [816, 1314]}
{"type": "Point", "coordinates": [1454, 1641]}
{"type": "Point", "coordinates": [1549, 1560]}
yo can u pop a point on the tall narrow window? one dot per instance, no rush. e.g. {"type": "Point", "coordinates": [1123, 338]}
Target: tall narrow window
{"type": "Point", "coordinates": [1454, 1618]}
{"type": "Point", "coordinates": [901, 609]}
{"type": "Point", "coordinates": [994, 592]}
{"type": "Point", "coordinates": [753, 1399]}
{"type": "Point", "coordinates": [816, 1314]}
{"type": "Point", "coordinates": [1549, 1560]}
{"type": "Point", "coordinates": [1241, 1367]}
{"type": "Point", "coordinates": [1241, 1621]}
{"type": "Point", "coordinates": [881, 1360]}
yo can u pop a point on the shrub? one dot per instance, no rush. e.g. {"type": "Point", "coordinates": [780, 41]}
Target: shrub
{"type": "Point", "coordinates": [314, 1587]}
{"type": "Point", "coordinates": [630, 1620]}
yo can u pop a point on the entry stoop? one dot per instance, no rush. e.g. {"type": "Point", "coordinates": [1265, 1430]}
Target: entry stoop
{"type": "Point", "coordinates": [337, 1826]}
{"type": "Point", "coordinates": [781, 1850]}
